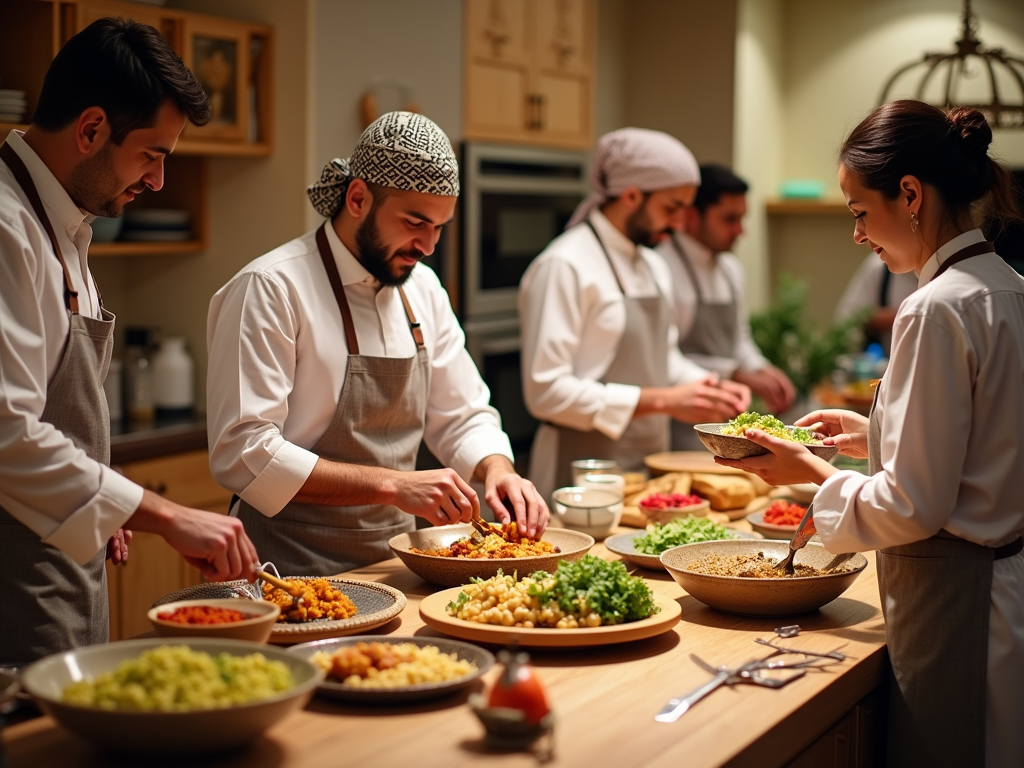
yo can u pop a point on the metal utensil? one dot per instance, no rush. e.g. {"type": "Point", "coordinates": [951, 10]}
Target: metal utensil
{"type": "Point", "coordinates": [838, 560]}
{"type": "Point", "coordinates": [803, 534]}
{"type": "Point", "coordinates": [480, 530]}
{"type": "Point", "coordinates": [290, 587]}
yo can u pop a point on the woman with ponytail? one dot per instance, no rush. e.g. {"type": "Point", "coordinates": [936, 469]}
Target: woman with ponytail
{"type": "Point", "coordinates": [944, 503]}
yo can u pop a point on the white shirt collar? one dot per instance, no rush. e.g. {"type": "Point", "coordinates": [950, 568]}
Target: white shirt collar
{"type": "Point", "coordinates": [695, 249]}
{"type": "Point", "coordinates": [611, 237]}
{"type": "Point", "coordinates": [349, 268]}
{"type": "Point", "coordinates": [51, 192]}
{"type": "Point", "coordinates": [936, 259]}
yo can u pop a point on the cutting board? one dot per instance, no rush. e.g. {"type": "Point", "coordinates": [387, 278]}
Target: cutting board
{"type": "Point", "coordinates": [687, 461]}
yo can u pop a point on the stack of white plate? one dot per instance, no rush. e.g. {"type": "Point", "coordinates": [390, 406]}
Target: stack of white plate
{"type": "Point", "coordinates": [12, 105]}
{"type": "Point", "coordinates": [157, 225]}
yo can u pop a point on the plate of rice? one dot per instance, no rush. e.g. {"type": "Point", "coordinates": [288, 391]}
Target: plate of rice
{"type": "Point", "coordinates": [383, 669]}
{"type": "Point", "coordinates": [171, 697]}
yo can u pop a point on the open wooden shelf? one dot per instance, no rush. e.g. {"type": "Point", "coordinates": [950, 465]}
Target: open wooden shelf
{"type": "Point", "coordinates": [146, 248]}
{"type": "Point", "coordinates": [805, 206]}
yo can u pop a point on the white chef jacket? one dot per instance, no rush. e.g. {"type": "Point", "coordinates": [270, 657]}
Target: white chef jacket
{"type": "Point", "coordinates": [72, 502]}
{"type": "Point", "coordinates": [572, 317]}
{"type": "Point", "coordinates": [865, 288]}
{"type": "Point", "coordinates": [952, 409]}
{"type": "Point", "coordinates": [278, 359]}
{"type": "Point", "coordinates": [720, 276]}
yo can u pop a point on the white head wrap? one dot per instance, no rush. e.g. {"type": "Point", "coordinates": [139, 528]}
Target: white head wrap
{"type": "Point", "coordinates": [636, 157]}
{"type": "Point", "coordinates": [402, 150]}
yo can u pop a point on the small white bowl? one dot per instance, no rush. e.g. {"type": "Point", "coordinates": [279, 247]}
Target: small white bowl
{"type": "Point", "coordinates": [257, 628]}
{"type": "Point", "coordinates": [593, 511]}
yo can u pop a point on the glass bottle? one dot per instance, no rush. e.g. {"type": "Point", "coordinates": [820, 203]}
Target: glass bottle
{"type": "Point", "coordinates": [138, 373]}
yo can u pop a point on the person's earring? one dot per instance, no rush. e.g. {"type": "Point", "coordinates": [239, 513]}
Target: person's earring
{"type": "Point", "coordinates": [913, 222]}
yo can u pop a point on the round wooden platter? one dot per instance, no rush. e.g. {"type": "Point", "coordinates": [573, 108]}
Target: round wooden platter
{"type": "Point", "coordinates": [688, 461]}
{"type": "Point", "coordinates": [433, 613]}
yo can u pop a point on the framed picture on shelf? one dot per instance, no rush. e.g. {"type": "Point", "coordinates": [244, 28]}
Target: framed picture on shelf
{"type": "Point", "coordinates": [218, 55]}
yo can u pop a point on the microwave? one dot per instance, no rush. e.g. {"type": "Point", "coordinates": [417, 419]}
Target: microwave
{"type": "Point", "coordinates": [516, 200]}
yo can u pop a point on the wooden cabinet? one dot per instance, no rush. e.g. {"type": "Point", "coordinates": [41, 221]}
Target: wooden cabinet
{"type": "Point", "coordinates": [529, 69]}
{"type": "Point", "coordinates": [154, 568]}
{"type": "Point", "coordinates": [231, 58]}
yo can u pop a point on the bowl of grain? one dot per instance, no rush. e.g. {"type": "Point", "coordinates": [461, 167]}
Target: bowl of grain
{"type": "Point", "coordinates": [737, 576]}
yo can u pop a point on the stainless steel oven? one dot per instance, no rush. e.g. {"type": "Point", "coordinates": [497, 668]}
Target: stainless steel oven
{"type": "Point", "coordinates": [516, 200]}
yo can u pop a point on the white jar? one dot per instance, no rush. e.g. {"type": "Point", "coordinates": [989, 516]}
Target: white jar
{"type": "Point", "coordinates": [173, 379]}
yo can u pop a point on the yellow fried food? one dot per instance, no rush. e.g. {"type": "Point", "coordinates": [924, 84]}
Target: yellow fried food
{"type": "Point", "coordinates": [503, 542]}
{"type": "Point", "coordinates": [391, 665]}
{"type": "Point", "coordinates": [320, 600]}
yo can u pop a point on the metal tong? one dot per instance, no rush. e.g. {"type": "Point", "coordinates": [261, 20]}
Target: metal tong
{"type": "Point", "coordinates": [803, 534]}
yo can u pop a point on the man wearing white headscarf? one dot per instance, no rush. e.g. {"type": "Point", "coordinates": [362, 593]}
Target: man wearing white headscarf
{"type": "Point", "coordinates": [332, 356]}
{"type": "Point", "coordinates": [601, 365]}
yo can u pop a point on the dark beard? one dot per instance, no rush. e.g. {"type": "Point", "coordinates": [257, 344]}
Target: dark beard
{"type": "Point", "coordinates": [638, 228]}
{"type": "Point", "coordinates": [374, 256]}
{"type": "Point", "coordinates": [94, 187]}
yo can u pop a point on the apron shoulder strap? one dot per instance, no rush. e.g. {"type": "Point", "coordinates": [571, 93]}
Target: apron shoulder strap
{"type": "Point", "coordinates": [689, 269]}
{"type": "Point", "coordinates": [24, 179]}
{"type": "Point", "coordinates": [970, 251]}
{"type": "Point", "coordinates": [327, 257]}
{"type": "Point", "coordinates": [607, 255]}
{"type": "Point", "coordinates": [417, 332]}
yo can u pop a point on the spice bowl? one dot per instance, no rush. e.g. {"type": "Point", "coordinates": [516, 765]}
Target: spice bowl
{"type": "Point", "coordinates": [508, 729]}
{"type": "Point", "coordinates": [259, 621]}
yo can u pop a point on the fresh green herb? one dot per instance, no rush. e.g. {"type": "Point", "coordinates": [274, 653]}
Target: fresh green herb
{"type": "Point", "coordinates": [688, 530]}
{"type": "Point", "coordinates": [454, 606]}
{"type": "Point", "coordinates": [605, 588]}
{"type": "Point", "coordinates": [768, 424]}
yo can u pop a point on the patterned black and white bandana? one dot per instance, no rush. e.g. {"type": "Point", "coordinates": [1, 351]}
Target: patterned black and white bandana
{"type": "Point", "coordinates": [402, 150]}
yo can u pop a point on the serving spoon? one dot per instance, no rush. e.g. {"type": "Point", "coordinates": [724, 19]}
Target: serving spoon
{"type": "Point", "coordinates": [803, 534]}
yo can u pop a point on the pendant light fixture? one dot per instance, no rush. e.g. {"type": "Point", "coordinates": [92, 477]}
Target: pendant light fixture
{"type": "Point", "coordinates": [971, 59]}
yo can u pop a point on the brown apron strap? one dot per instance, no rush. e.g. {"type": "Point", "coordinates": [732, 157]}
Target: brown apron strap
{"type": "Point", "coordinates": [965, 253]}
{"type": "Point", "coordinates": [24, 178]}
{"type": "Point", "coordinates": [339, 292]}
{"type": "Point", "coordinates": [417, 332]}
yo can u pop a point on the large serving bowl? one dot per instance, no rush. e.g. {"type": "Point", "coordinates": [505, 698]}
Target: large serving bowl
{"type": "Point", "coordinates": [739, 447]}
{"type": "Point", "coordinates": [261, 616]}
{"type": "Point", "coordinates": [164, 733]}
{"type": "Point", "coordinates": [455, 571]}
{"type": "Point", "coordinates": [761, 597]}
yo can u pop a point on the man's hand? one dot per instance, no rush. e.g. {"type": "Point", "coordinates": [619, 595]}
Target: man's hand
{"type": "Point", "coordinates": [787, 463]}
{"type": "Point", "coordinates": [437, 495]}
{"type": "Point", "coordinates": [117, 547]}
{"type": "Point", "coordinates": [844, 429]}
{"type": "Point", "coordinates": [770, 384]}
{"type": "Point", "coordinates": [505, 492]}
{"type": "Point", "coordinates": [215, 544]}
{"type": "Point", "coordinates": [707, 400]}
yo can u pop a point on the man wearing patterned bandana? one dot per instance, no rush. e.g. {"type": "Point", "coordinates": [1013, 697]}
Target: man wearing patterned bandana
{"type": "Point", "coordinates": [333, 355]}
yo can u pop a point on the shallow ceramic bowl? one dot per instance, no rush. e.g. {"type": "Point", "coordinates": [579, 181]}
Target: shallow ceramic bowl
{"type": "Point", "coordinates": [455, 571]}
{"type": "Point", "coordinates": [761, 597]}
{"type": "Point", "coordinates": [336, 689]}
{"type": "Point", "coordinates": [770, 530]}
{"type": "Point", "coordinates": [262, 616]}
{"type": "Point", "coordinates": [593, 511]}
{"type": "Point", "coordinates": [622, 544]}
{"type": "Point", "coordinates": [668, 514]}
{"type": "Point", "coordinates": [739, 447]}
{"type": "Point", "coordinates": [164, 733]}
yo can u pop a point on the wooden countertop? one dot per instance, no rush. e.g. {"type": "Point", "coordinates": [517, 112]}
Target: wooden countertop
{"type": "Point", "coordinates": [604, 699]}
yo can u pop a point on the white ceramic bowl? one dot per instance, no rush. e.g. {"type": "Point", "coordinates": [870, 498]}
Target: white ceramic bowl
{"type": "Point", "coordinates": [592, 511]}
{"type": "Point", "coordinates": [164, 733]}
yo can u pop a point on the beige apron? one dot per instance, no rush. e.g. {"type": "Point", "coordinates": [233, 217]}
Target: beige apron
{"type": "Point", "coordinates": [640, 360]}
{"type": "Point", "coordinates": [713, 332]}
{"type": "Point", "coordinates": [51, 603]}
{"type": "Point", "coordinates": [936, 597]}
{"type": "Point", "coordinates": [379, 422]}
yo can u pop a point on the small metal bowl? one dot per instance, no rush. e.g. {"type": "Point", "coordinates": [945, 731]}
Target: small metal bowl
{"type": "Point", "coordinates": [739, 447]}
{"type": "Point", "coordinates": [761, 597]}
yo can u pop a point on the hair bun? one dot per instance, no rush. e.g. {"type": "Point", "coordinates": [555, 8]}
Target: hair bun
{"type": "Point", "coordinates": [971, 128]}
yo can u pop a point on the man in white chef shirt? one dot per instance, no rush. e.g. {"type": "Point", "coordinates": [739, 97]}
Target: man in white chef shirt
{"type": "Point", "coordinates": [112, 105]}
{"type": "Point", "coordinates": [601, 364]}
{"type": "Point", "coordinates": [708, 285]}
{"type": "Point", "coordinates": [334, 354]}
{"type": "Point", "coordinates": [874, 286]}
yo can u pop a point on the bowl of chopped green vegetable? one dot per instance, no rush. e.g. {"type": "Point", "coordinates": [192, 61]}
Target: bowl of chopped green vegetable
{"type": "Point", "coordinates": [729, 441]}
{"type": "Point", "coordinates": [644, 548]}
{"type": "Point", "coordinates": [163, 697]}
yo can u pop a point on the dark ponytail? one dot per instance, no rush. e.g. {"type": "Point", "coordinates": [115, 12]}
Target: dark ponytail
{"type": "Point", "coordinates": [949, 152]}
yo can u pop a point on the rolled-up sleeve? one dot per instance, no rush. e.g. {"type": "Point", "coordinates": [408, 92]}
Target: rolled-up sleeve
{"type": "Point", "coordinates": [462, 428]}
{"type": "Point", "coordinates": [251, 334]}
{"type": "Point", "coordinates": [551, 316]}
{"type": "Point", "coordinates": [48, 484]}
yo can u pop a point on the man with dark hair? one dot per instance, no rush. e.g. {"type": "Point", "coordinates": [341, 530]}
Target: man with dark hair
{"type": "Point", "coordinates": [708, 286]}
{"type": "Point", "coordinates": [334, 355]}
{"type": "Point", "coordinates": [112, 106]}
